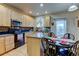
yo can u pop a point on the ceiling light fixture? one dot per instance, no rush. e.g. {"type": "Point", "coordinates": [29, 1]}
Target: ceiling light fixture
{"type": "Point", "coordinates": [41, 5]}
{"type": "Point", "coordinates": [73, 8]}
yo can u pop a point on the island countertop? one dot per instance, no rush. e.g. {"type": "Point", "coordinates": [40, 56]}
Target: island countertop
{"type": "Point", "coordinates": [35, 34]}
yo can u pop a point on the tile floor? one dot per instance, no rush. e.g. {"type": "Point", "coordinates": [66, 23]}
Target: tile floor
{"type": "Point", "coordinates": [21, 51]}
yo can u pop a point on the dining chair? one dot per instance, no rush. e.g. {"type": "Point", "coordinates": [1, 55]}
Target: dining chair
{"type": "Point", "coordinates": [74, 50]}
{"type": "Point", "coordinates": [69, 36]}
{"type": "Point", "coordinates": [52, 34]}
{"type": "Point", "coordinates": [48, 48]}
{"type": "Point", "coordinates": [51, 46]}
{"type": "Point", "coordinates": [44, 44]}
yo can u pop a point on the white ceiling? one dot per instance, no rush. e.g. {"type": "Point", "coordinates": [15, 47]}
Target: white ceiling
{"type": "Point", "coordinates": [49, 7]}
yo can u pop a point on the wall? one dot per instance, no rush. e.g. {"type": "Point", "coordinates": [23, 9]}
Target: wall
{"type": "Point", "coordinates": [72, 18]}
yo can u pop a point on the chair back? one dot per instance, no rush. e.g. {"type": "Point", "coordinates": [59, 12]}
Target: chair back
{"type": "Point", "coordinates": [75, 48]}
{"type": "Point", "coordinates": [51, 34]}
{"type": "Point", "coordinates": [43, 43]}
{"type": "Point", "coordinates": [69, 36]}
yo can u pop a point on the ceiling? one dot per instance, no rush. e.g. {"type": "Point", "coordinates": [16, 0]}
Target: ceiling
{"type": "Point", "coordinates": [51, 8]}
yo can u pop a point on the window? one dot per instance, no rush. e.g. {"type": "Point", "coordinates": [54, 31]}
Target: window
{"type": "Point", "coordinates": [60, 26]}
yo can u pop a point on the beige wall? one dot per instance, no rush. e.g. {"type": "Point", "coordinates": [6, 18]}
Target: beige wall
{"type": "Point", "coordinates": [71, 21]}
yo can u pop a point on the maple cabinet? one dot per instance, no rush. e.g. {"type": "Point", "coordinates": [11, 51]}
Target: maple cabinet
{"type": "Point", "coordinates": [28, 21]}
{"type": "Point", "coordinates": [2, 45]}
{"type": "Point", "coordinates": [6, 43]}
{"type": "Point", "coordinates": [4, 16]}
{"type": "Point", "coordinates": [9, 42]}
{"type": "Point", "coordinates": [47, 21]}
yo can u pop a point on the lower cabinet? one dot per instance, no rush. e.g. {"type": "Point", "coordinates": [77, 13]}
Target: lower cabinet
{"type": "Point", "coordinates": [9, 43]}
{"type": "Point", "coordinates": [2, 45]}
{"type": "Point", "coordinates": [6, 43]}
{"type": "Point", "coordinates": [9, 47]}
{"type": "Point", "coordinates": [33, 46]}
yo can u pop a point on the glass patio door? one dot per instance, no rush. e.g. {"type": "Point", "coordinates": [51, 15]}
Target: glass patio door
{"type": "Point", "coordinates": [60, 26]}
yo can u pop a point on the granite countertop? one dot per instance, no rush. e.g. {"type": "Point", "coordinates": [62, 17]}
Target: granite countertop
{"type": "Point", "coordinates": [41, 35]}
{"type": "Point", "coordinates": [36, 34]}
{"type": "Point", "coordinates": [5, 35]}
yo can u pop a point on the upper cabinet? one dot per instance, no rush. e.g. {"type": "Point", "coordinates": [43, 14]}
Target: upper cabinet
{"type": "Point", "coordinates": [47, 21]}
{"type": "Point", "coordinates": [43, 21]}
{"type": "Point", "coordinates": [24, 22]}
{"type": "Point", "coordinates": [28, 21]}
{"type": "Point", "coordinates": [13, 15]}
{"type": "Point", "coordinates": [4, 16]}
{"type": "Point", "coordinates": [16, 15]}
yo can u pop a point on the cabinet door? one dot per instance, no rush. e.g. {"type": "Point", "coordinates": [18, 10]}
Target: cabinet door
{"type": "Point", "coordinates": [4, 16]}
{"type": "Point", "coordinates": [30, 21]}
{"type": "Point", "coordinates": [9, 47]}
{"type": "Point", "coordinates": [9, 42]}
{"type": "Point", "coordinates": [7, 39]}
{"type": "Point", "coordinates": [16, 16]}
{"type": "Point", "coordinates": [20, 17]}
{"type": "Point", "coordinates": [27, 21]}
{"type": "Point", "coordinates": [47, 21]}
{"type": "Point", "coordinates": [13, 15]}
{"type": "Point", "coordinates": [2, 45]}
{"type": "Point", "coordinates": [33, 46]}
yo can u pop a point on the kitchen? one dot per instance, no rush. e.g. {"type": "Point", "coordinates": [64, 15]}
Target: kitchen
{"type": "Point", "coordinates": [26, 29]}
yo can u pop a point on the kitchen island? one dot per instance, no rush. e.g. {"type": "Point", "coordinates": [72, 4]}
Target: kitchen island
{"type": "Point", "coordinates": [33, 40]}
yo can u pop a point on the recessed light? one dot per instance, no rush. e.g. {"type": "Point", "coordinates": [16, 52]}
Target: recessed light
{"type": "Point", "coordinates": [46, 12]}
{"type": "Point", "coordinates": [30, 12]}
{"type": "Point", "coordinates": [73, 8]}
{"type": "Point", "coordinates": [41, 5]}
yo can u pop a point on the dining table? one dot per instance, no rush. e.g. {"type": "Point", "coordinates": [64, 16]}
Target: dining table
{"type": "Point", "coordinates": [60, 43]}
